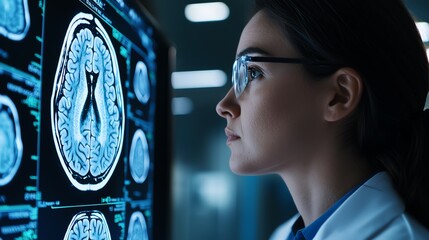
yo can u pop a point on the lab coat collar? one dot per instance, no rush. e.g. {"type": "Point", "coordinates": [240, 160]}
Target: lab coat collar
{"type": "Point", "coordinates": [370, 208]}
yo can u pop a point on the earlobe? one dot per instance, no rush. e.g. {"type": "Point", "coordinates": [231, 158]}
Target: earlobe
{"type": "Point", "coordinates": [347, 87]}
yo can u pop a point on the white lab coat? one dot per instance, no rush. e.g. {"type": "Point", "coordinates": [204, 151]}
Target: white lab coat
{"type": "Point", "coordinates": [373, 211]}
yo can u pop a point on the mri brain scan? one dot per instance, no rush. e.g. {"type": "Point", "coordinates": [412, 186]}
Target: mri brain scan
{"type": "Point", "coordinates": [137, 229]}
{"type": "Point", "coordinates": [139, 157]}
{"type": "Point", "coordinates": [10, 140]}
{"type": "Point", "coordinates": [14, 19]}
{"type": "Point", "coordinates": [88, 225]}
{"type": "Point", "coordinates": [141, 83]}
{"type": "Point", "coordinates": [87, 108]}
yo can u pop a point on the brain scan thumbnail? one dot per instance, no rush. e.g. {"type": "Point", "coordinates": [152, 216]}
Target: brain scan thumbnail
{"type": "Point", "coordinates": [137, 229]}
{"type": "Point", "coordinates": [139, 157]}
{"type": "Point", "coordinates": [141, 83]}
{"type": "Point", "coordinates": [88, 225]}
{"type": "Point", "coordinates": [87, 108]}
{"type": "Point", "coordinates": [14, 19]}
{"type": "Point", "coordinates": [10, 140]}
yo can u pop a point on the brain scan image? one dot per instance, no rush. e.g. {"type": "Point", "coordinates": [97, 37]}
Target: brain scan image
{"type": "Point", "coordinates": [88, 225]}
{"type": "Point", "coordinates": [87, 108]}
{"type": "Point", "coordinates": [141, 83]}
{"type": "Point", "coordinates": [10, 140]}
{"type": "Point", "coordinates": [139, 157]}
{"type": "Point", "coordinates": [14, 19]}
{"type": "Point", "coordinates": [137, 229]}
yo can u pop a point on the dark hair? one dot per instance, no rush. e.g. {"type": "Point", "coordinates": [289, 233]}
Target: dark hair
{"type": "Point", "coordinates": [380, 40]}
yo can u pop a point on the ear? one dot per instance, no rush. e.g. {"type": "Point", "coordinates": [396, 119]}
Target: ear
{"type": "Point", "coordinates": [346, 86]}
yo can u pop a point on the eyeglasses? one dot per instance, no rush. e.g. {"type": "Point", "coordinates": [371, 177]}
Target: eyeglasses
{"type": "Point", "coordinates": [240, 75]}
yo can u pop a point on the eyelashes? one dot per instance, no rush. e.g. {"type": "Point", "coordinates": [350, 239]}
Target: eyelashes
{"type": "Point", "coordinates": [254, 73]}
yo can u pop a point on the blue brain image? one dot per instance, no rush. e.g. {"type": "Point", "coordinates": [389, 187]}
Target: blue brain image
{"type": "Point", "coordinates": [87, 112]}
{"type": "Point", "coordinates": [137, 229]}
{"type": "Point", "coordinates": [14, 19]}
{"type": "Point", "coordinates": [141, 83]}
{"type": "Point", "coordinates": [10, 140]}
{"type": "Point", "coordinates": [139, 157]}
{"type": "Point", "coordinates": [88, 225]}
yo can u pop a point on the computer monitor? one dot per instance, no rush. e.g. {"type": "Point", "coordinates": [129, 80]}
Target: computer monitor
{"type": "Point", "coordinates": [84, 121]}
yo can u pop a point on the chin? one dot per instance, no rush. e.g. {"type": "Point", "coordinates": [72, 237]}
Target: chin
{"type": "Point", "coordinates": [243, 167]}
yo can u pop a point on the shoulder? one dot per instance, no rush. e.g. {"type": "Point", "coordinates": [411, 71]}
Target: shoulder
{"type": "Point", "coordinates": [374, 211]}
{"type": "Point", "coordinates": [283, 231]}
{"type": "Point", "coordinates": [403, 227]}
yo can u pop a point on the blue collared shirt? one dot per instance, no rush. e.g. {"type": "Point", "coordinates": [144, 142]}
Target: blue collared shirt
{"type": "Point", "coordinates": [300, 232]}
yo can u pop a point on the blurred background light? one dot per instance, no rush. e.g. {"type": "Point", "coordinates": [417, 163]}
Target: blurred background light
{"type": "Point", "coordinates": [214, 189]}
{"type": "Point", "coordinates": [207, 12]}
{"type": "Point", "coordinates": [424, 30]}
{"type": "Point", "coordinates": [198, 79]}
{"type": "Point", "coordinates": [182, 105]}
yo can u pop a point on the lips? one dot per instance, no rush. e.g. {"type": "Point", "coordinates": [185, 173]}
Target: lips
{"type": "Point", "coordinates": [231, 136]}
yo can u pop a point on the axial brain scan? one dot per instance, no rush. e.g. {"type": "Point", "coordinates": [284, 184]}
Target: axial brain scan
{"type": "Point", "coordinates": [137, 229]}
{"type": "Point", "coordinates": [139, 157]}
{"type": "Point", "coordinates": [14, 19]}
{"type": "Point", "coordinates": [10, 140]}
{"type": "Point", "coordinates": [141, 83]}
{"type": "Point", "coordinates": [87, 111]}
{"type": "Point", "coordinates": [88, 225]}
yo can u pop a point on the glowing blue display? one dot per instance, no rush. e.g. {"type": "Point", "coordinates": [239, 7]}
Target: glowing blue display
{"type": "Point", "coordinates": [139, 157]}
{"type": "Point", "coordinates": [87, 105]}
{"type": "Point", "coordinates": [88, 225]}
{"type": "Point", "coordinates": [10, 140]}
{"type": "Point", "coordinates": [141, 83]}
{"type": "Point", "coordinates": [14, 19]}
{"type": "Point", "coordinates": [137, 229]}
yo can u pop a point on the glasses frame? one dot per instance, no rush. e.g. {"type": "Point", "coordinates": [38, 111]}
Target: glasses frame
{"type": "Point", "coordinates": [239, 83]}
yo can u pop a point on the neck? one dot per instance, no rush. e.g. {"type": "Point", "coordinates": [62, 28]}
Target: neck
{"type": "Point", "coordinates": [316, 186]}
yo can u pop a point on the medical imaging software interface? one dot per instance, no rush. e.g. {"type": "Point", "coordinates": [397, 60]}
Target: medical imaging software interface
{"type": "Point", "coordinates": [77, 119]}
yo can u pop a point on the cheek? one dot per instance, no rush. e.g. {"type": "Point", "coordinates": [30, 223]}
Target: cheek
{"type": "Point", "coordinates": [277, 130]}
{"type": "Point", "coordinates": [271, 129]}
{"type": "Point", "coordinates": [249, 155]}
{"type": "Point", "coordinates": [263, 134]}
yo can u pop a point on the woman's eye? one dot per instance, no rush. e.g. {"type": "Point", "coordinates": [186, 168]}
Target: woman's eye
{"type": "Point", "coordinates": [254, 73]}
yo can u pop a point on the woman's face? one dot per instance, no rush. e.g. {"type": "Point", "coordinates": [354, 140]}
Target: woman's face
{"type": "Point", "coordinates": [275, 124]}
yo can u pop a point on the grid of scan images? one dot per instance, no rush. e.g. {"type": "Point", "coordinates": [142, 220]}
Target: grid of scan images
{"type": "Point", "coordinates": [77, 113]}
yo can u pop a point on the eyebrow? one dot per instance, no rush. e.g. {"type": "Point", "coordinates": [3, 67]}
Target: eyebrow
{"type": "Point", "coordinates": [252, 50]}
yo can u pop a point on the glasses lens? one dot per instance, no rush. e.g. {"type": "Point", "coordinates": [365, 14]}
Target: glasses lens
{"type": "Point", "coordinates": [235, 76]}
{"type": "Point", "coordinates": [239, 79]}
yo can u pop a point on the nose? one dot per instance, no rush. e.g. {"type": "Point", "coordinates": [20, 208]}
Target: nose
{"type": "Point", "coordinates": [228, 107]}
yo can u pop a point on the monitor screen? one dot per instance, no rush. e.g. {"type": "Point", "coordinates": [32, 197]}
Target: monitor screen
{"type": "Point", "coordinates": [84, 120]}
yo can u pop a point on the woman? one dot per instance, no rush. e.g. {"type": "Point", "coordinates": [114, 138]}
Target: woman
{"type": "Point", "coordinates": [329, 94]}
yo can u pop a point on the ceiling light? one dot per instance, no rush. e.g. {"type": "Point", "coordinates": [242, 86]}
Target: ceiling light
{"type": "Point", "coordinates": [424, 30]}
{"type": "Point", "coordinates": [198, 79]}
{"type": "Point", "coordinates": [206, 12]}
